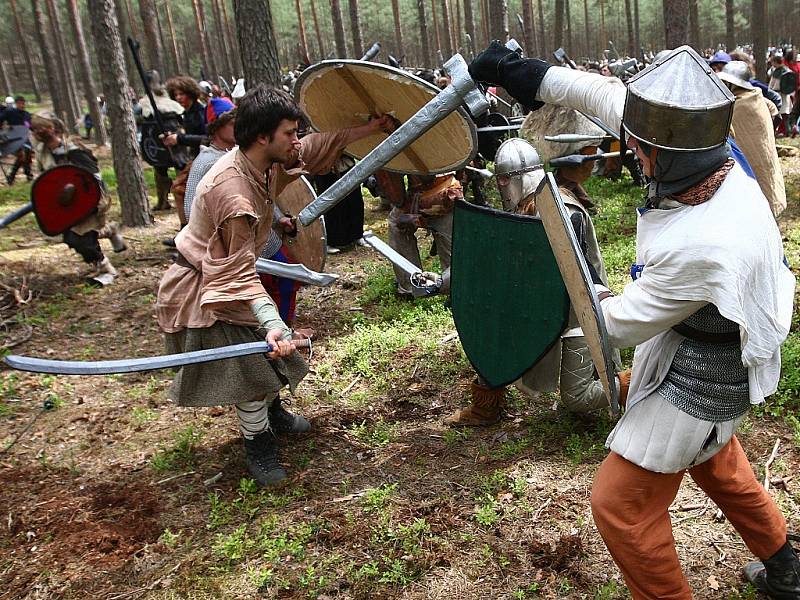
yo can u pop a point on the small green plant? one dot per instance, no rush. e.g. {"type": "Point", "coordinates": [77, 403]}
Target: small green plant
{"type": "Point", "coordinates": [375, 499]}
{"type": "Point", "coordinates": [232, 547]}
{"type": "Point", "coordinates": [379, 434]}
{"type": "Point", "coordinates": [170, 539]}
{"type": "Point", "coordinates": [181, 453]}
{"type": "Point", "coordinates": [486, 513]}
{"type": "Point", "coordinates": [141, 415]}
{"type": "Point", "coordinates": [454, 437]}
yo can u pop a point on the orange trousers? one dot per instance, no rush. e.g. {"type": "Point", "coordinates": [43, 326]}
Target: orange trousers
{"type": "Point", "coordinates": [631, 509]}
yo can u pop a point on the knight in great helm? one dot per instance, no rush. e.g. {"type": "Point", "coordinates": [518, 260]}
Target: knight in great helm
{"type": "Point", "coordinates": [708, 309]}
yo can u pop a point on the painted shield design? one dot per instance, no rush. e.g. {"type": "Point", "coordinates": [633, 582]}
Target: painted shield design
{"type": "Point", "coordinates": [578, 281]}
{"type": "Point", "coordinates": [335, 94]}
{"type": "Point", "coordinates": [64, 196]}
{"type": "Point", "coordinates": [509, 301]}
{"type": "Point", "coordinates": [308, 245]}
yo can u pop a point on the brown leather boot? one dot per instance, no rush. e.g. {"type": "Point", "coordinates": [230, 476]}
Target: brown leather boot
{"type": "Point", "coordinates": [624, 385]}
{"type": "Point", "coordinates": [484, 410]}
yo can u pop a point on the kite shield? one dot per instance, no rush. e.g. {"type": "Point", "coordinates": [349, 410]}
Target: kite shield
{"type": "Point", "coordinates": [508, 297]}
{"type": "Point", "coordinates": [336, 94]}
{"type": "Point", "coordinates": [64, 196]}
{"type": "Point", "coordinates": [308, 245]}
{"type": "Point", "coordinates": [575, 271]}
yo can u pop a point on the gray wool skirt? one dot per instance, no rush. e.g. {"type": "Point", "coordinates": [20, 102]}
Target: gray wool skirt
{"type": "Point", "coordinates": [229, 381]}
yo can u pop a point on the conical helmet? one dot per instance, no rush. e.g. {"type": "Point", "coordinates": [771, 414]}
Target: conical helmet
{"type": "Point", "coordinates": [518, 170]}
{"type": "Point", "coordinates": [678, 103]}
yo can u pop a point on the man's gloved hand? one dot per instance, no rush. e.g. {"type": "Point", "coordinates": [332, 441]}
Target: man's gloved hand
{"type": "Point", "coordinates": [519, 76]}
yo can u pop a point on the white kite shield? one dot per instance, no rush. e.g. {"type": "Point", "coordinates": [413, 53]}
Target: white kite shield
{"type": "Point", "coordinates": [578, 281]}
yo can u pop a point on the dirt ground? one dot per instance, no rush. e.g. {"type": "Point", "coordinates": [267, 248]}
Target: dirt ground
{"type": "Point", "coordinates": [116, 493]}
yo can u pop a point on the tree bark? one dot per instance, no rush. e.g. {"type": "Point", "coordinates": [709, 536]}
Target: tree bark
{"type": "Point", "coordinates": [469, 27]}
{"type": "Point", "coordinates": [694, 26]}
{"type": "Point", "coordinates": [676, 22]}
{"type": "Point", "coordinates": [485, 22]}
{"type": "Point", "coordinates": [458, 31]}
{"type": "Point", "coordinates": [422, 19]}
{"type": "Point", "coordinates": [4, 78]}
{"type": "Point", "coordinates": [301, 26]}
{"type": "Point", "coordinates": [355, 29]}
{"type": "Point", "coordinates": [63, 60]}
{"type": "Point", "coordinates": [530, 28]}
{"type": "Point", "coordinates": [236, 55]}
{"type": "Point", "coordinates": [132, 20]}
{"type": "Point", "coordinates": [558, 30]}
{"type": "Point", "coordinates": [399, 46]}
{"type": "Point", "coordinates": [448, 32]}
{"type": "Point", "coordinates": [629, 22]}
{"type": "Point", "coordinates": [23, 40]}
{"type": "Point", "coordinates": [636, 31]}
{"type": "Point", "coordinates": [568, 18]}
{"type": "Point", "coordinates": [730, 34]}
{"type": "Point", "coordinates": [542, 39]}
{"type": "Point", "coordinates": [48, 54]}
{"type": "Point", "coordinates": [338, 29]}
{"type": "Point", "coordinates": [320, 43]}
{"type": "Point", "coordinates": [131, 187]}
{"type": "Point", "coordinates": [147, 12]}
{"type": "Point", "coordinates": [588, 50]}
{"type": "Point", "coordinates": [758, 33]}
{"type": "Point", "coordinates": [173, 47]}
{"type": "Point", "coordinates": [436, 37]}
{"type": "Point", "coordinates": [498, 20]}
{"type": "Point", "coordinates": [222, 35]}
{"type": "Point", "coordinates": [89, 88]}
{"type": "Point", "coordinates": [257, 43]}
{"type": "Point", "coordinates": [603, 35]}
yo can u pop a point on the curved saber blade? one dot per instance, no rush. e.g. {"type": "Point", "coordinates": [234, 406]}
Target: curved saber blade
{"type": "Point", "coordinates": [135, 365]}
{"type": "Point", "coordinates": [390, 253]}
{"type": "Point", "coordinates": [297, 272]}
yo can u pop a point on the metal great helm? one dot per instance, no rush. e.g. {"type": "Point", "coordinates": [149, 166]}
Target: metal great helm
{"type": "Point", "coordinates": [518, 162]}
{"type": "Point", "coordinates": [679, 104]}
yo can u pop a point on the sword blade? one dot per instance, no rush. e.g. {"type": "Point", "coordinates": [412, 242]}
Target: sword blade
{"type": "Point", "coordinates": [135, 365]}
{"type": "Point", "coordinates": [390, 253]}
{"type": "Point", "coordinates": [17, 214]}
{"type": "Point", "coordinates": [297, 272]}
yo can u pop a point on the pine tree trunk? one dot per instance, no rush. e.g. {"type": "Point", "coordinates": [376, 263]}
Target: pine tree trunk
{"type": "Point", "coordinates": [320, 43]}
{"type": "Point", "coordinates": [89, 88]}
{"type": "Point", "coordinates": [225, 59]}
{"type": "Point", "coordinates": [355, 29]}
{"type": "Point", "coordinates": [448, 33]}
{"type": "Point", "coordinates": [636, 31]}
{"type": "Point", "coordinates": [558, 29]}
{"type": "Point", "coordinates": [469, 27]}
{"type": "Point", "coordinates": [213, 71]}
{"type": "Point", "coordinates": [458, 32]}
{"type": "Point", "coordinates": [603, 35]}
{"type": "Point", "coordinates": [63, 60]}
{"type": "Point", "coordinates": [132, 20]}
{"type": "Point", "coordinates": [629, 22]}
{"type": "Point", "coordinates": [122, 23]}
{"type": "Point", "coordinates": [422, 20]}
{"type": "Point", "coordinates": [568, 18]}
{"type": "Point", "coordinates": [338, 29]}
{"type": "Point", "coordinates": [694, 26]}
{"type": "Point", "coordinates": [236, 55]}
{"type": "Point", "coordinates": [23, 40]}
{"type": "Point", "coordinates": [301, 27]}
{"type": "Point", "coordinates": [543, 51]}
{"type": "Point", "coordinates": [587, 51]}
{"type": "Point", "coordinates": [529, 28]}
{"type": "Point", "coordinates": [200, 27]}
{"type": "Point", "coordinates": [485, 22]}
{"type": "Point", "coordinates": [147, 12]}
{"type": "Point", "coordinates": [498, 20]}
{"type": "Point", "coordinates": [12, 60]}
{"type": "Point", "coordinates": [730, 34]}
{"type": "Point", "coordinates": [758, 33]}
{"type": "Point", "coordinates": [676, 22]}
{"type": "Point", "coordinates": [4, 78]}
{"type": "Point", "coordinates": [131, 186]}
{"type": "Point", "coordinates": [46, 44]}
{"type": "Point", "coordinates": [173, 46]}
{"type": "Point", "coordinates": [399, 46]}
{"type": "Point", "coordinates": [436, 37]}
{"type": "Point", "coordinates": [257, 43]}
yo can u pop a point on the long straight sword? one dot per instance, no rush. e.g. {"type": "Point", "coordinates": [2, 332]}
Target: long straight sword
{"type": "Point", "coordinates": [136, 365]}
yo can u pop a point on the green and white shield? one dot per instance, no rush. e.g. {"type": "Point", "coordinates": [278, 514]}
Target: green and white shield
{"type": "Point", "coordinates": [509, 301]}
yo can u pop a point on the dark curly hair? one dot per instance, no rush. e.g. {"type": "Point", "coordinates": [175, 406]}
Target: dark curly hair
{"type": "Point", "coordinates": [185, 84]}
{"type": "Point", "coordinates": [260, 111]}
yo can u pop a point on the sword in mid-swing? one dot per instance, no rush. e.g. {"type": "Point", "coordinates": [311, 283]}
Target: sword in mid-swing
{"type": "Point", "coordinates": [421, 284]}
{"type": "Point", "coordinates": [136, 365]}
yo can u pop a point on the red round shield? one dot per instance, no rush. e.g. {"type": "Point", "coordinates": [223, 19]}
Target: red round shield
{"type": "Point", "coordinates": [64, 196]}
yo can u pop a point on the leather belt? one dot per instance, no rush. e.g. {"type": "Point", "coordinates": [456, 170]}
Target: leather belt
{"type": "Point", "coordinates": [707, 337]}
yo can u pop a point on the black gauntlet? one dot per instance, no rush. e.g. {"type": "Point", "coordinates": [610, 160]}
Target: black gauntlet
{"type": "Point", "coordinates": [521, 77]}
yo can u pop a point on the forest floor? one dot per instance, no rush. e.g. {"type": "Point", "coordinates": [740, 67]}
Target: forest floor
{"type": "Point", "coordinates": [116, 493]}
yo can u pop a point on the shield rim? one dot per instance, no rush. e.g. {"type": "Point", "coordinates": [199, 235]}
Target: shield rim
{"type": "Point", "coordinates": [466, 118]}
{"type": "Point", "coordinates": [464, 205]}
{"type": "Point", "coordinates": [321, 221]}
{"type": "Point", "coordinates": [50, 232]}
{"type": "Point", "coordinates": [612, 387]}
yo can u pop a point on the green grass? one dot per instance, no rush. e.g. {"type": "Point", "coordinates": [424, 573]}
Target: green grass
{"type": "Point", "coordinates": [180, 454]}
